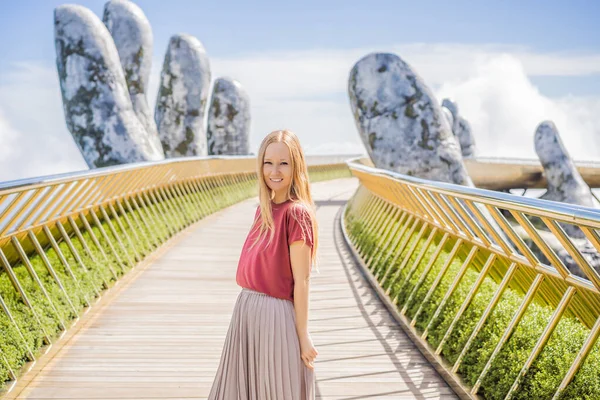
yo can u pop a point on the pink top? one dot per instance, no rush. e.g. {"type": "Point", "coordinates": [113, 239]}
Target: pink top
{"type": "Point", "coordinates": [267, 268]}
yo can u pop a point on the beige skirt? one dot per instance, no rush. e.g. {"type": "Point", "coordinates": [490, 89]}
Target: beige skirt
{"type": "Point", "coordinates": [261, 355]}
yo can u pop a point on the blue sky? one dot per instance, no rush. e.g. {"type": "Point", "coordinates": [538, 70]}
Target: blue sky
{"type": "Point", "coordinates": [250, 26]}
{"type": "Point", "coordinates": [509, 64]}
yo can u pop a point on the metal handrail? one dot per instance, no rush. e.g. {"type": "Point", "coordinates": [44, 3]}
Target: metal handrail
{"type": "Point", "coordinates": [393, 215]}
{"type": "Point", "coordinates": [573, 212]}
{"type": "Point", "coordinates": [99, 224]}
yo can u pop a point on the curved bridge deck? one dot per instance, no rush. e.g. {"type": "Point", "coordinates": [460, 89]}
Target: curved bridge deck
{"type": "Point", "coordinates": [158, 334]}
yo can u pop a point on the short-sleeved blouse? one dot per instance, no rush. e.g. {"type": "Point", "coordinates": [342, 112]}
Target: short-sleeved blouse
{"type": "Point", "coordinates": [266, 268]}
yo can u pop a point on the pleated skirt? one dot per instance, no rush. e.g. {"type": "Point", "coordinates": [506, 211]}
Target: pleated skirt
{"type": "Point", "coordinates": [261, 354]}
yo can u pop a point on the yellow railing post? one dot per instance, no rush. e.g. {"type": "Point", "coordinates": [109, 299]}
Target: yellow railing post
{"type": "Point", "coordinates": [408, 231]}
{"type": "Point", "coordinates": [100, 224]}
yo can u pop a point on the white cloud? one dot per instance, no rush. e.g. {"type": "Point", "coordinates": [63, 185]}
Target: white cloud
{"type": "Point", "coordinates": [276, 80]}
{"type": "Point", "coordinates": [303, 93]}
{"type": "Point", "coordinates": [8, 139]}
{"type": "Point", "coordinates": [306, 91]}
{"type": "Point", "coordinates": [437, 63]}
{"type": "Point", "coordinates": [26, 156]}
{"type": "Point", "coordinates": [504, 109]}
{"type": "Point", "coordinates": [34, 128]}
{"type": "Point", "coordinates": [325, 71]}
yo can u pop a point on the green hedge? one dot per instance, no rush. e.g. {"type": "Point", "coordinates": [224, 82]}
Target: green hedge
{"type": "Point", "coordinates": [157, 223]}
{"type": "Point", "coordinates": [552, 364]}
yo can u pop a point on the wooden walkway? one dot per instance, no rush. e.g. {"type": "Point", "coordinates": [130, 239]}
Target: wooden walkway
{"type": "Point", "coordinates": [159, 333]}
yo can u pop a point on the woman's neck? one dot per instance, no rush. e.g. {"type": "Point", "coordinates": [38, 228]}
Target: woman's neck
{"type": "Point", "coordinates": [280, 198]}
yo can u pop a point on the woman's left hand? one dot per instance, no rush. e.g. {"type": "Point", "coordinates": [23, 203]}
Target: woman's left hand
{"type": "Point", "coordinates": [308, 353]}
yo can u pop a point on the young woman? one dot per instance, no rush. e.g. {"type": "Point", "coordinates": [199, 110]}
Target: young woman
{"type": "Point", "coordinates": [268, 352]}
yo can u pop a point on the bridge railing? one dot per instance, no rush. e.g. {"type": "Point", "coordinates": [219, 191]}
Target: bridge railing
{"type": "Point", "coordinates": [500, 292]}
{"type": "Point", "coordinates": [65, 239]}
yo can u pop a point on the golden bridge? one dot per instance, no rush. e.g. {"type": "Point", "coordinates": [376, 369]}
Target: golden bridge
{"type": "Point", "coordinates": [119, 283]}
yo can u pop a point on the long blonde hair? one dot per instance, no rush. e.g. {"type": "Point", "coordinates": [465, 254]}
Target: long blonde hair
{"type": "Point", "coordinates": [299, 189]}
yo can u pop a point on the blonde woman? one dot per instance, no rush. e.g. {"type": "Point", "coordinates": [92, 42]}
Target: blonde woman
{"type": "Point", "coordinates": [268, 352]}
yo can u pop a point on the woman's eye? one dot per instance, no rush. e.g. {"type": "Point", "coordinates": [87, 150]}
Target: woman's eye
{"type": "Point", "coordinates": [284, 163]}
{"type": "Point", "coordinates": [267, 162]}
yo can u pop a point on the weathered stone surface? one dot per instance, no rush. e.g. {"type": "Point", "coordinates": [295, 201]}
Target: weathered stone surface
{"type": "Point", "coordinates": [132, 35]}
{"type": "Point", "coordinates": [96, 102]}
{"type": "Point", "coordinates": [449, 117]}
{"type": "Point", "coordinates": [461, 129]}
{"type": "Point", "coordinates": [182, 96]}
{"type": "Point", "coordinates": [400, 122]}
{"type": "Point", "coordinates": [465, 138]}
{"type": "Point", "coordinates": [453, 108]}
{"type": "Point", "coordinates": [228, 129]}
{"type": "Point", "coordinates": [564, 182]}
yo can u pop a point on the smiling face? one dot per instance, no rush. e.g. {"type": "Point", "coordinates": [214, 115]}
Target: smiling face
{"type": "Point", "coordinates": [277, 170]}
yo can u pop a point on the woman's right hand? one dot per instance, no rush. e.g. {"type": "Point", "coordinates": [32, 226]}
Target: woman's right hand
{"type": "Point", "coordinates": [308, 353]}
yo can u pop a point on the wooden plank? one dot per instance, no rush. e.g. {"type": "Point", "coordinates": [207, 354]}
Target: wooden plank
{"type": "Point", "coordinates": [162, 333]}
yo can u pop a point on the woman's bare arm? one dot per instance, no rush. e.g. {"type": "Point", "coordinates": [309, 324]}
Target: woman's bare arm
{"type": "Point", "coordinates": [301, 265]}
{"type": "Point", "coordinates": [300, 260]}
